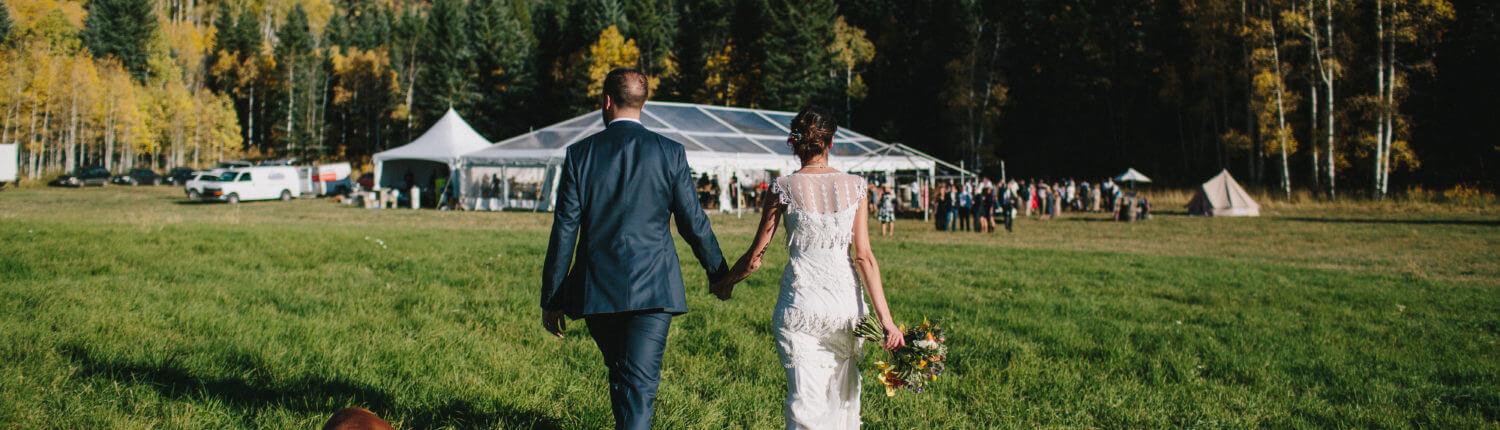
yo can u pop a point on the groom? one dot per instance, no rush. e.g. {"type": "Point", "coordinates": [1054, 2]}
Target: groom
{"type": "Point", "coordinates": [619, 190]}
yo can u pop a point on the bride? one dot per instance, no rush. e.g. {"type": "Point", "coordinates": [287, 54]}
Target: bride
{"type": "Point", "coordinates": [820, 300]}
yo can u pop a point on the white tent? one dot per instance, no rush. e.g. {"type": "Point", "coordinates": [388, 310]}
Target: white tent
{"type": "Point", "coordinates": [1131, 175]}
{"type": "Point", "coordinates": [440, 147]}
{"type": "Point", "coordinates": [1222, 196]}
{"type": "Point", "coordinates": [721, 141]}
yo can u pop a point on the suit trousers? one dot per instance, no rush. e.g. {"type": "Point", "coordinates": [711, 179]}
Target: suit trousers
{"type": "Point", "coordinates": [632, 344]}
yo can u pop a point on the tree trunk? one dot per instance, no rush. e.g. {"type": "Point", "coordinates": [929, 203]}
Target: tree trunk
{"type": "Point", "coordinates": [1390, 105]}
{"type": "Point", "coordinates": [1251, 131]}
{"type": "Point", "coordinates": [291, 79]}
{"type": "Point", "coordinates": [1315, 48]}
{"type": "Point", "coordinates": [109, 139]}
{"type": "Point", "coordinates": [1328, 77]}
{"type": "Point", "coordinates": [250, 118]}
{"type": "Point", "coordinates": [322, 121]}
{"type": "Point", "coordinates": [1281, 129]}
{"type": "Point", "coordinates": [32, 148]}
{"type": "Point", "coordinates": [72, 152]}
{"type": "Point", "coordinates": [46, 128]}
{"type": "Point", "coordinates": [1380, 85]}
{"type": "Point", "coordinates": [1312, 135]}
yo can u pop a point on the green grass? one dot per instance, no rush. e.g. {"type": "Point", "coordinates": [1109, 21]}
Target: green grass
{"type": "Point", "coordinates": [126, 308]}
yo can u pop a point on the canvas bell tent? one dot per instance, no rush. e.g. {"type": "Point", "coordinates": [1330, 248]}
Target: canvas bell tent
{"type": "Point", "coordinates": [1222, 196]}
{"type": "Point", "coordinates": [434, 154]}
{"type": "Point", "coordinates": [723, 142]}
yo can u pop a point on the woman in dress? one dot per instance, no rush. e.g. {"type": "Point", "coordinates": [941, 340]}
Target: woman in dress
{"type": "Point", "coordinates": [820, 300]}
{"type": "Point", "coordinates": [887, 213]}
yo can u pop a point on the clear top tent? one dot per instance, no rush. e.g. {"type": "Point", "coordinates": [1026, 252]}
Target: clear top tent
{"type": "Point", "coordinates": [722, 142]}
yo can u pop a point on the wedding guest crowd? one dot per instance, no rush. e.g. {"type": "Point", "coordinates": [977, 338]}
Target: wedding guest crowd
{"type": "Point", "coordinates": [981, 205]}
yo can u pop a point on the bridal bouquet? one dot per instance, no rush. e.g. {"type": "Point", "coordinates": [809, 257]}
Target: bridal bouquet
{"type": "Point", "coordinates": [911, 366]}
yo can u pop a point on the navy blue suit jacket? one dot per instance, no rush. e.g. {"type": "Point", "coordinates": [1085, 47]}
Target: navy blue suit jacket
{"type": "Point", "coordinates": [618, 192]}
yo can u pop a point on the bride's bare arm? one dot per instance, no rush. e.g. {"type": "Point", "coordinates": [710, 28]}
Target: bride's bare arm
{"type": "Point", "coordinates": [869, 272]}
{"type": "Point", "coordinates": [770, 217]}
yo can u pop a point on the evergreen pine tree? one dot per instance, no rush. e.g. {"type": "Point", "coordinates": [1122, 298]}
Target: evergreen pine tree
{"type": "Point", "coordinates": [294, 66]}
{"type": "Point", "coordinates": [504, 52]}
{"type": "Point", "coordinates": [446, 58]}
{"type": "Point", "coordinates": [122, 29]}
{"type": "Point", "coordinates": [601, 14]}
{"type": "Point", "coordinates": [4, 22]}
{"type": "Point", "coordinates": [655, 32]}
{"type": "Point", "coordinates": [798, 62]}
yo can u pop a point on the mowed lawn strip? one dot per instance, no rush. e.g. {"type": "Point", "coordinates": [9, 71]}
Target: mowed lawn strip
{"type": "Point", "coordinates": [125, 308]}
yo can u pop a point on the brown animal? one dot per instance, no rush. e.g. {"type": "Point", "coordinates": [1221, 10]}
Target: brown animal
{"type": "Point", "coordinates": [356, 419]}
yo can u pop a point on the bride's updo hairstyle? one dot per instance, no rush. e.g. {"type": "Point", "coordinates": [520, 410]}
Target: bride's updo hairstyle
{"type": "Point", "coordinates": [812, 132]}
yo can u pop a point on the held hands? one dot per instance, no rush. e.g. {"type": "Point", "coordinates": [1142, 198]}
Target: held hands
{"type": "Point", "coordinates": [724, 287]}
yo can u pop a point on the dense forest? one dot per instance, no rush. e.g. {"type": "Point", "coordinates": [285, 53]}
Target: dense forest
{"type": "Point", "coordinates": [1333, 96]}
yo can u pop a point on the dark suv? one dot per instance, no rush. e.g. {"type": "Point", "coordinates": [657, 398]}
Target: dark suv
{"type": "Point", "coordinates": [178, 175]}
{"type": "Point", "coordinates": [84, 176]}
{"type": "Point", "coordinates": [139, 177]}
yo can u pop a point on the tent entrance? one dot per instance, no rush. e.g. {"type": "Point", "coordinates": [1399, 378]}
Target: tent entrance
{"type": "Point", "coordinates": [427, 176]}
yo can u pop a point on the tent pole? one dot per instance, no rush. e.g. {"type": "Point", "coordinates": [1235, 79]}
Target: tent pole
{"type": "Point", "coordinates": [927, 193]}
{"type": "Point", "coordinates": [504, 187]}
{"type": "Point", "coordinates": [552, 196]}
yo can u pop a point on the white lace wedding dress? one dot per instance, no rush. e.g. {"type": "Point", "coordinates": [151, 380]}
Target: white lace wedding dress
{"type": "Point", "coordinates": [820, 301]}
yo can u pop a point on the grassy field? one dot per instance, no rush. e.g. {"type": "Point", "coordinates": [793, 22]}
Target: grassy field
{"type": "Point", "coordinates": [129, 308]}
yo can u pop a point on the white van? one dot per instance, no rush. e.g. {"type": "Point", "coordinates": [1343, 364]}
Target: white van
{"type": "Point", "coordinates": [8, 163]}
{"type": "Point", "coordinates": [253, 183]}
{"type": "Point", "coordinates": [325, 179]}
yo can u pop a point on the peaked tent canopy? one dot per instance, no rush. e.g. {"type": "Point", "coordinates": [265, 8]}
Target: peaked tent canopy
{"type": "Point", "coordinates": [1131, 175]}
{"type": "Point", "coordinates": [723, 141]}
{"type": "Point", "coordinates": [441, 146]}
{"type": "Point", "coordinates": [1222, 196]}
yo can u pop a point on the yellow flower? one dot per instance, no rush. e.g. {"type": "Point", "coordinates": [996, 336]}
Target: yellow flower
{"type": "Point", "coordinates": [922, 365]}
{"type": "Point", "coordinates": [882, 365]}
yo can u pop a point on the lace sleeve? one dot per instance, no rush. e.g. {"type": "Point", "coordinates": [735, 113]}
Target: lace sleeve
{"type": "Point", "coordinates": [783, 195]}
{"type": "Point", "coordinates": [855, 191]}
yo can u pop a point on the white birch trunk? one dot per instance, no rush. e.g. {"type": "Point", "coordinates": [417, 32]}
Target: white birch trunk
{"type": "Point", "coordinates": [1390, 106]}
{"type": "Point", "coordinates": [1281, 129]}
{"type": "Point", "coordinates": [250, 118]}
{"type": "Point", "coordinates": [72, 151]}
{"type": "Point", "coordinates": [291, 79]}
{"type": "Point", "coordinates": [1328, 77]}
{"type": "Point", "coordinates": [1380, 85]}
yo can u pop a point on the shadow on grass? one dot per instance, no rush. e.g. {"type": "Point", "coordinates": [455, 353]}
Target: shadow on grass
{"type": "Point", "coordinates": [1480, 222]}
{"type": "Point", "coordinates": [307, 395]}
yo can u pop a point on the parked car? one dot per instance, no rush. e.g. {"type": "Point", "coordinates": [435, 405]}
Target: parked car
{"type": "Point", "coordinates": [193, 185]}
{"type": "Point", "coordinates": [366, 181]}
{"type": "Point", "coordinates": [84, 176]}
{"type": "Point", "coordinates": [253, 183]}
{"type": "Point", "coordinates": [139, 177]}
{"type": "Point", "coordinates": [178, 175]}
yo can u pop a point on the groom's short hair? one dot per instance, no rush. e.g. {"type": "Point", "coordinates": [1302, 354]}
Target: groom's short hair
{"type": "Point", "coordinates": [628, 87]}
